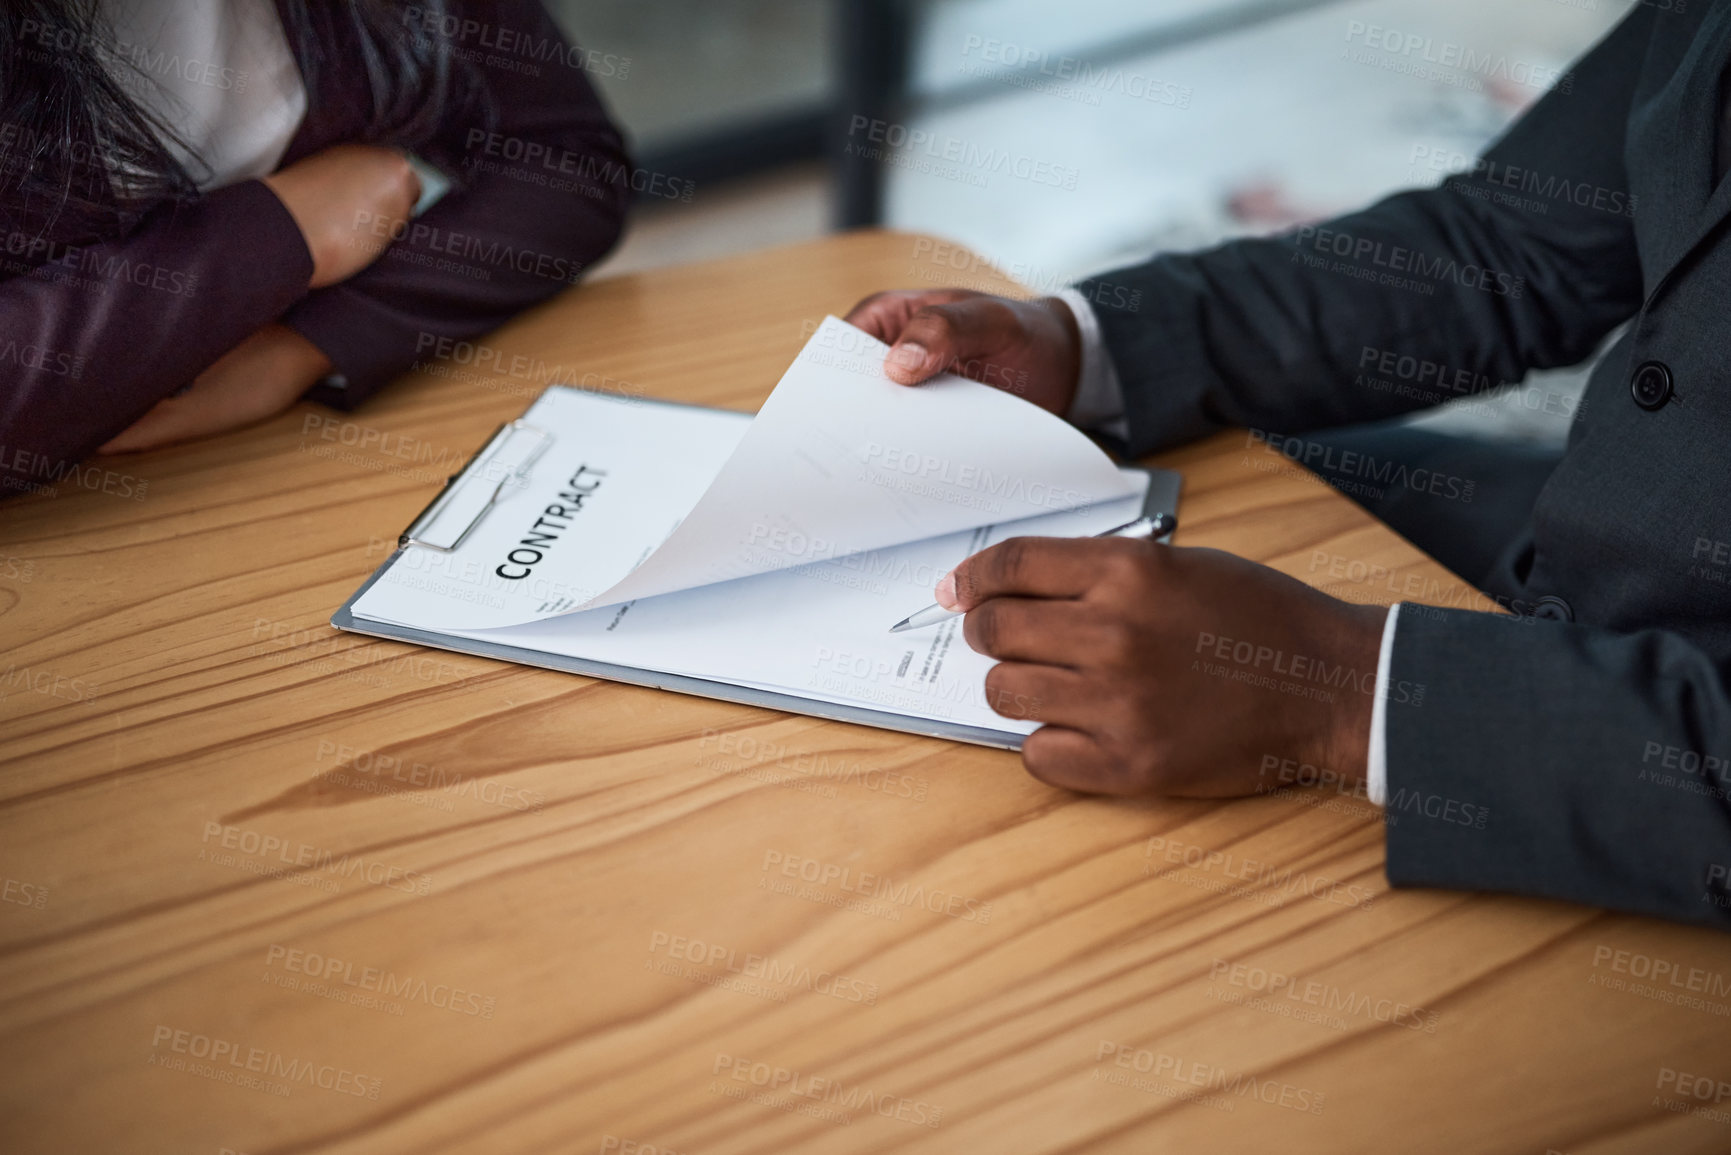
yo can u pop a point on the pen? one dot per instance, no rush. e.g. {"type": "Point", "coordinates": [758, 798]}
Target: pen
{"type": "Point", "coordinates": [1159, 525]}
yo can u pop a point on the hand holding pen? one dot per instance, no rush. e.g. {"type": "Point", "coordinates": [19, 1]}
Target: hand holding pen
{"type": "Point", "coordinates": [1154, 527]}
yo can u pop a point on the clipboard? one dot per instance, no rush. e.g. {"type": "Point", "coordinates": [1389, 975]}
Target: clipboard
{"type": "Point", "coordinates": [470, 495]}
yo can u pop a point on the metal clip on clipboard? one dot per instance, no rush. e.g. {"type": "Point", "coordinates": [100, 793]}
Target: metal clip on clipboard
{"type": "Point", "coordinates": [471, 492]}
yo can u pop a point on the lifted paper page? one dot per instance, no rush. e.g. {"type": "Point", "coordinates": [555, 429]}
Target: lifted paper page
{"type": "Point", "coordinates": [840, 460]}
{"type": "Point", "coordinates": [846, 460]}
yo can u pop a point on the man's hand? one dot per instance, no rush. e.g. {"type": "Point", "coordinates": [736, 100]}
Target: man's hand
{"type": "Point", "coordinates": [1030, 348]}
{"type": "Point", "coordinates": [258, 378]}
{"type": "Point", "coordinates": [1167, 671]}
{"type": "Point", "coordinates": [349, 201]}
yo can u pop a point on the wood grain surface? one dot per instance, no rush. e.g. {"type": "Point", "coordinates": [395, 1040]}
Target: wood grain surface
{"type": "Point", "coordinates": [272, 888]}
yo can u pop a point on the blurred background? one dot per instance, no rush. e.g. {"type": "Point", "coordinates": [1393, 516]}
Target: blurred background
{"type": "Point", "coordinates": [1061, 139]}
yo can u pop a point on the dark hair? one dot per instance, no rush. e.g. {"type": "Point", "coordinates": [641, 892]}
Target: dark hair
{"type": "Point", "coordinates": [80, 160]}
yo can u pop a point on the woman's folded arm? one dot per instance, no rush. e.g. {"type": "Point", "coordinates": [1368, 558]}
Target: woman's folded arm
{"type": "Point", "coordinates": [91, 337]}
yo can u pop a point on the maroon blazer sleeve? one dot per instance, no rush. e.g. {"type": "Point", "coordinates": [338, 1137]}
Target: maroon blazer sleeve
{"type": "Point", "coordinates": [542, 195]}
{"type": "Point", "coordinates": [91, 337]}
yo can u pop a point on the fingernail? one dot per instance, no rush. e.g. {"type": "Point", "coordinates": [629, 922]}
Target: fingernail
{"type": "Point", "coordinates": [946, 591]}
{"type": "Point", "coordinates": [911, 356]}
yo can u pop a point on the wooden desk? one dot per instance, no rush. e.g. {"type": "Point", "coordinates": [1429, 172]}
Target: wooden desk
{"type": "Point", "coordinates": [270, 888]}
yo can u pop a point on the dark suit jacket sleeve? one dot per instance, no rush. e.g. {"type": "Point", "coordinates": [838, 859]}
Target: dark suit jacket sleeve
{"type": "Point", "coordinates": [1536, 757]}
{"type": "Point", "coordinates": [515, 232]}
{"type": "Point", "coordinates": [1282, 333]}
{"type": "Point", "coordinates": [1580, 764]}
{"type": "Point", "coordinates": [95, 336]}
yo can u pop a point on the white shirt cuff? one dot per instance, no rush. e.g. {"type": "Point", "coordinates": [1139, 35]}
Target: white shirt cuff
{"type": "Point", "coordinates": [1376, 765]}
{"type": "Point", "coordinates": [1099, 403]}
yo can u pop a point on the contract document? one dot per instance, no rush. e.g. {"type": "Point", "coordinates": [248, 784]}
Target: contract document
{"type": "Point", "coordinates": [758, 559]}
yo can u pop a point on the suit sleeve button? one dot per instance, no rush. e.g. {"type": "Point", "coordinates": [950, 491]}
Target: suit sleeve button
{"type": "Point", "coordinates": [1650, 385]}
{"type": "Point", "coordinates": [1552, 608]}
